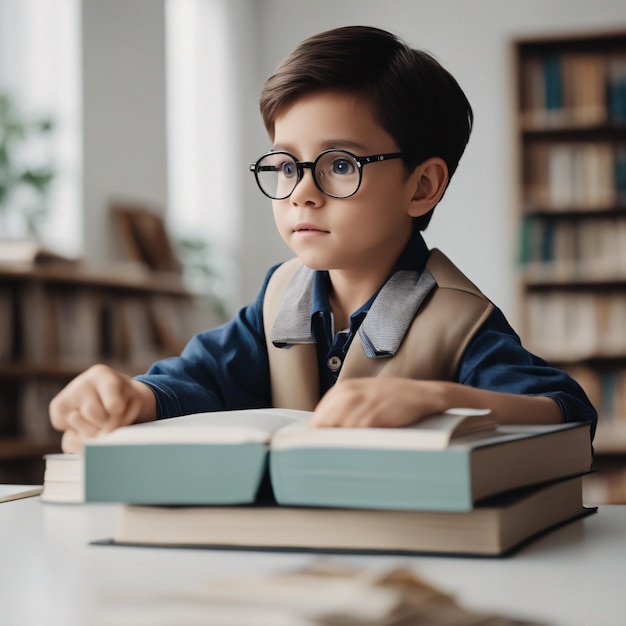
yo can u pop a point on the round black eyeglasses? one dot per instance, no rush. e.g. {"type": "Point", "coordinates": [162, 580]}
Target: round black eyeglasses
{"type": "Point", "coordinates": [337, 173]}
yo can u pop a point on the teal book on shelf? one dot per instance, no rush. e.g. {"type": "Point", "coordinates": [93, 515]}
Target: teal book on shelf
{"type": "Point", "coordinates": [552, 77]}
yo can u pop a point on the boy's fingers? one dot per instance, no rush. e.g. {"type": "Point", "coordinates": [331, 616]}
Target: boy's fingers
{"type": "Point", "coordinates": [58, 413]}
{"type": "Point", "coordinates": [71, 442]}
{"type": "Point", "coordinates": [81, 426]}
{"type": "Point", "coordinates": [91, 410]}
{"type": "Point", "coordinates": [324, 418]}
{"type": "Point", "coordinates": [118, 398]}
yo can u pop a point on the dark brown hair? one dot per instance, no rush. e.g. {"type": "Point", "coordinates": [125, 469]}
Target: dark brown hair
{"type": "Point", "coordinates": [416, 100]}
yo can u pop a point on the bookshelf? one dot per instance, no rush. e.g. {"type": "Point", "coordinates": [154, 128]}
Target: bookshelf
{"type": "Point", "coordinates": [58, 319]}
{"type": "Point", "coordinates": [571, 131]}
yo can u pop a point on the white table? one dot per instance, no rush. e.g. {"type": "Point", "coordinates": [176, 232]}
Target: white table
{"type": "Point", "coordinates": [49, 574]}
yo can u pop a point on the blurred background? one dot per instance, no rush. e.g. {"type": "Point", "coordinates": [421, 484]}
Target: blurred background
{"type": "Point", "coordinates": [153, 105]}
{"type": "Point", "coordinates": [155, 101]}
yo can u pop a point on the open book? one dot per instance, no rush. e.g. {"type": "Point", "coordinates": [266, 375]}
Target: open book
{"type": "Point", "coordinates": [447, 462]}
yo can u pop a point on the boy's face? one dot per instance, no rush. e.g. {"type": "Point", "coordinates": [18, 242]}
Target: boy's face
{"type": "Point", "coordinates": [366, 232]}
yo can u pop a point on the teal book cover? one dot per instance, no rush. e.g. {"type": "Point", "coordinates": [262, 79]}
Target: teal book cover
{"type": "Point", "coordinates": [453, 478]}
{"type": "Point", "coordinates": [203, 458]}
{"type": "Point", "coordinates": [175, 473]}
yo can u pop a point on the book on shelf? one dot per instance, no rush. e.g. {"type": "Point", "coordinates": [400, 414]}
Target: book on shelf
{"type": "Point", "coordinates": [573, 176]}
{"type": "Point", "coordinates": [76, 318]}
{"type": "Point", "coordinates": [573, 251]}
{"type": "Point", "coordinates": [493, 528]}
{"type": "Point", "coordinates": [616, 87]}
{"type": "Point", "coordinates": [570, 326]}
{"type": "Point", "coordinates": [33, 398]}
{"type": "Point", "coordinates": [445, 462]}
{"type": "Point", "coordinates": [63, 478]}
{"type": "Point", "coordinates": [7, 323]}
{"type": "Point", "coordinates": [573, 89]}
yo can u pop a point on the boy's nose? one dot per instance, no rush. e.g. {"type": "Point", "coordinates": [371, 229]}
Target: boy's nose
{"type": "Point", "coordinates": [306, 191]}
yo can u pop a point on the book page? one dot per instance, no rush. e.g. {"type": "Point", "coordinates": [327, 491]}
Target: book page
{"type": "Point", "coordinates": [218, 427]}
{"type": "Point", "coordinates": [432, 433]}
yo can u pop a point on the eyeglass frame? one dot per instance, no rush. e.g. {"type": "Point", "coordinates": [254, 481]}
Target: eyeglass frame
{"type": "Point", "coordinates": [302, 165]}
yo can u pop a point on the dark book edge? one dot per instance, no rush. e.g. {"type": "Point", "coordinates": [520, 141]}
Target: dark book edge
{"type": "Point", "coordinates": [585, 512]}
{"type": "Point", "coordinates": [509, 497]}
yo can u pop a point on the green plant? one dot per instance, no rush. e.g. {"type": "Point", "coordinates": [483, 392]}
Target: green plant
{"type": "Point", "coordinates": [16, 171]}
{"type": "Point", "coordinates": [201, 262]}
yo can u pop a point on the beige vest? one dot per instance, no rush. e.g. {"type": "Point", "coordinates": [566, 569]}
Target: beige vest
{"type": "Point", "coordinates": [431, 349]}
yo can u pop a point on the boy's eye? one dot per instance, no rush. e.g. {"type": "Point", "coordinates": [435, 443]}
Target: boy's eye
{"type": "Point", "coordinates": [288, 169]}
{"type": "Point", "coordinates": [343, 166]}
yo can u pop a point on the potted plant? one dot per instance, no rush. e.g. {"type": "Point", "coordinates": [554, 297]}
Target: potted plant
{"type": "Point", "coordinates": [25, 177]}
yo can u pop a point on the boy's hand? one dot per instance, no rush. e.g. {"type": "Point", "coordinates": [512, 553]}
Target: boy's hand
{"type": "Point", "coordinates": [377, 403]}
{"type": "Point", "coordinates": [387, 402]}
{"type": "Point", "coordinates": [99, 400]}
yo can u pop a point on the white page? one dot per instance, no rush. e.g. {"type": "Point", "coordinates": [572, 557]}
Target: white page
{"type": "Point", "coordinates": [432, 433]}
{"type": "Point", "coordinates": [218, 427]}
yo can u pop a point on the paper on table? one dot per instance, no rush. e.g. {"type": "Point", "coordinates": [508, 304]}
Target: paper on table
{"type": "Point", "coordinates": [15, 492]}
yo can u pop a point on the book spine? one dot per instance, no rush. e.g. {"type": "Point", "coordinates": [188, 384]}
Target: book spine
{"type": "Point", "coordinates": [616, 89]}
{"type": "Point", "coordinates": [569, 326]}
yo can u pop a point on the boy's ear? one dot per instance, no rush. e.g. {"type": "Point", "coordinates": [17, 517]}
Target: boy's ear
{"type": "Point", "coordinates": [431, 179]}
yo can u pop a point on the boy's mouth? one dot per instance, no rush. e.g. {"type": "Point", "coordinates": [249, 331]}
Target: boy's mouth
{"type": "Point", "coordinates": [304, 228]}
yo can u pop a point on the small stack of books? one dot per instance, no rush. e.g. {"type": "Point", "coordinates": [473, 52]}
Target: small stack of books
{"type": "Point", "coordinates": [63, 479]}
{"type": "Point", "coordinates": [454, 483]}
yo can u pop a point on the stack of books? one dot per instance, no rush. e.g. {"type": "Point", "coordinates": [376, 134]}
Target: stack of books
{"type": "Point", "coordinates": [63, 480]}
{"type": "Point", "coordinates": [454, 483]}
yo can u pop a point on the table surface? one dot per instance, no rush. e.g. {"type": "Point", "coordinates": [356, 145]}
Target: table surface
{"type": "Point", "coordinates": [51, 574]}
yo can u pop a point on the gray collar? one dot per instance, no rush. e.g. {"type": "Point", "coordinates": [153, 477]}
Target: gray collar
{"type": "Point", "coordinates": [384, 326]}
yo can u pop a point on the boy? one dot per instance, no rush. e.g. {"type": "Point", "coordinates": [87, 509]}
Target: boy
{"type": "Point", "coordinates": [366, 326]}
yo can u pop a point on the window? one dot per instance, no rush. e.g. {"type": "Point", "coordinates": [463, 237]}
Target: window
{"type": "Point", "coordinates": [202, 162]}
{"type": "Point", "coordinates": [40, 72]}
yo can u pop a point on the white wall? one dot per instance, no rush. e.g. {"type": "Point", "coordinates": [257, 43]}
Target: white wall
{"type": "Point", "coordinates": [124, 113]}
{"type": "Point", "coordinates": [474, 224]}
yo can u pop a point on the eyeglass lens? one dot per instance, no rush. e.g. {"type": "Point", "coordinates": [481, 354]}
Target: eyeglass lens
{"type": "Point", "coordinates": [336, 174]}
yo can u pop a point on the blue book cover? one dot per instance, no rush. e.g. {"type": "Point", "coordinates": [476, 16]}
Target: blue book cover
{"type": "Point", "coordinates": [616, 91]}
{"type": "Point", "coordinates": [552, 82]}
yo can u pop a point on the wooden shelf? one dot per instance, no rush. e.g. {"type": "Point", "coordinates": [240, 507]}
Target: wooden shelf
{"type": "Point", "coordinates": [568, 131]}
{"type": "Point", "coordinates": [554, 213]}
{"type": "Point", "coordinates": [63, 369]}
{"type": "Point", "coordinates": [58, 320]}
{"type": "Point", "coordinates": [14, 449]}
{"type": "Point", "coordinates": [124, 276]}
{"type": "Point", "coordinates": [571, 137]}
{"type": "Point", "coordinates": [547, 278]}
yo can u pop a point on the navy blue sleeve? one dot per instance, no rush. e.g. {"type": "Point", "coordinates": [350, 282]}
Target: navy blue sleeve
{"type": "Point", "coordinates": [220, 369]}
{"type": "Point", "coordinates": [496, 360]}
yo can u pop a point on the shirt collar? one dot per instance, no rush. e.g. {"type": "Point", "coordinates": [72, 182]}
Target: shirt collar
{"type": "Point", "coordinates": [389, 312]}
